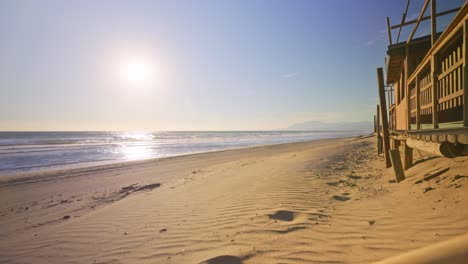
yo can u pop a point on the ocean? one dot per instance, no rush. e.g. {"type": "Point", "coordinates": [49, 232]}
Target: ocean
{"type": "Point", "coordinates": [33, 151]}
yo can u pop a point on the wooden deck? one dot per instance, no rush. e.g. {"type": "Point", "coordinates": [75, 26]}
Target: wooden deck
{"type": "Point", "coordinates": [429, 77]}
{"type": "Point", "coordinates": [427, 86]}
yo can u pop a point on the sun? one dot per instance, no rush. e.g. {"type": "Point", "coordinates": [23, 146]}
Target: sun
{"type": "Point", "coordinates": [138, 72]}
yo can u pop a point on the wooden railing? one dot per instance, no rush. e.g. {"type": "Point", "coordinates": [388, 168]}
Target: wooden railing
{"type": "Point", "coordinates": [425, 97]}
{"type": "Point", "coordinates": [450, 79]}
{"type": "Point", "coordinates": [421, 98]}
{"type": "Point", "coordinates": [436, 87]}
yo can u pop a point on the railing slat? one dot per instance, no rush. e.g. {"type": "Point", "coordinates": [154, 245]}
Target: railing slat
{"type": "Point", "coordinates": [448, 98]}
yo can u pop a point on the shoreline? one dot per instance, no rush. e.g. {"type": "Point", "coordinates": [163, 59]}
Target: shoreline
{"type": "Point", "coordinates": [326, 200]}
{"type": "Point", "coordinates": [45, 174]}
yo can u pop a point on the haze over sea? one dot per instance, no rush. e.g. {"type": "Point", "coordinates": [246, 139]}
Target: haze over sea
{"type": "Point", "coordinates": [32, 151]}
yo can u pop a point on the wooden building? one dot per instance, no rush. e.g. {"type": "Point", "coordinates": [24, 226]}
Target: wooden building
{"type": "Point", "coordinates": [426, 87]}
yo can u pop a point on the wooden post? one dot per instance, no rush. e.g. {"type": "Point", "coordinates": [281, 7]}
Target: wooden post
{"type": "Point", "coordinates": [397, 144]}
{"type": "Point", "coordinates": [407, 156]}
{"type": "Point", "coordinates": [433, 22]}
{"type": "Point", "coordinates": [389, 31]}
{"type": "Point", "coordinates": [421, 14]}
{"type": "Point", "coordinates": [435, 85]}
{"type": "Point", "coordinates": [383, 114]}
{"type": "Point", "coordinates": [375, 124]}
{"type": "Point", "coordinates": [406, 87]}
{"type": "Point", "coordinates": [434, 65]}
{"type": "Point", "coordinates": [443, 13]}
{"type": "Point", "coordinates": [396, 164]}
{"type": "Point", "coordinates": [465, 74]}
{"type": "Point", "coordinates": [380, 146]}
{"type": "Point", "coordinates": [418, 104]}
{"type": "Point", "coordinates": [379, 138]}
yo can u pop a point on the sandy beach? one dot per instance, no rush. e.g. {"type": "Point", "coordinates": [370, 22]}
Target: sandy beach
{"type": "Point", "coordinates": [324, 201]}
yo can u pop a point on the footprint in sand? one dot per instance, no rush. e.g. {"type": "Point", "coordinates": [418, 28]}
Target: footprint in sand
{"type": "Point", "coordinates": [428, 189]}
{"type": "Point", "coordinates": [340, 198]}
{"type": "Point", "coordinates": [341, 183]}
{"type": "Point", "coordinates": [225, 259]}
{"type": "Point", "coordinates": [282, 215]}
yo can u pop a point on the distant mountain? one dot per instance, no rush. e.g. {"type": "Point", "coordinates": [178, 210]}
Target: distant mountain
{"type": "Point", "coordinates": [364, 126]}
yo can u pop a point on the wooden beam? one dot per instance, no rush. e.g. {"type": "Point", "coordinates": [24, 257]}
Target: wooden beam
{"type": "Point", "coordinates": [396, 164]}
{"type": "Point", "coordinates": [425, 18]}
{"type": "Point", "coordinates": [383, 113]}
{"type": "Point", "coordinates": [444, 149]}
{"type": "Point", "coordinates": [463, 139]}
{"type": "Point", "coordinates": [465, 74]}
{"type": "Point", "coordinates": [426, 3]}
{"type": "Point", "coordinates": [403, 18]}
{"type": "Point", "coordinates": [456, 135]}
{"type": "Point", "coordinates": [433, 22]}
{"type": "Point", "coordinates": [389, 31]}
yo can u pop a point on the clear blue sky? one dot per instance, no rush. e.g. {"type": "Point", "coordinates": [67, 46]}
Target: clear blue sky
{"type": "Point", "coordinates": [214, 65]}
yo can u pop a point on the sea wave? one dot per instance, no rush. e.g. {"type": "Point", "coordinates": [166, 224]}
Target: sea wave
{"type": "Point", "coordinates": [26, 151]}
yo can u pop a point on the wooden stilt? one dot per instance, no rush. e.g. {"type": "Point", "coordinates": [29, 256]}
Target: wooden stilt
{"type": "Point", "coordinates": [407, 156]}
{"type": "Point", "coordinates": [380, 146]}
{"type": "Point", "coordinates": [406, 88]}
{"type": "Point", "coordinates": [375, 124]}
{"type": "Point", "coordinates": [418, 104]}
{"type": "Point", "coordinates": [397, 143]}
{"type": "Point", "coordinates": [392, 144]}
{"type": "Point", "coordinates": [435, 96]}
{"type": "Point", "coordinates": [379, 137]}
{"type": "Point", "coordinates": [383, 114]}
{"type": "Point", "coordinates": [465, 74]}
{"type": "Point", "coordinates": [396, 164]}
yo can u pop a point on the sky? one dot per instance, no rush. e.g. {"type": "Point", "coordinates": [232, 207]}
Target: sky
{"type": "Point", "coordinates": [192, 65]}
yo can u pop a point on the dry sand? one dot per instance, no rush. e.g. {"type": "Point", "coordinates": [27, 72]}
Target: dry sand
{"type": "Point", "coordinates": [327, 201]}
